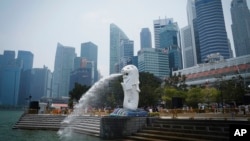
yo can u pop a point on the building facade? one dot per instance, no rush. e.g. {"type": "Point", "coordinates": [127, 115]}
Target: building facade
{"type": "Point", "coordinates": [40, 85]}
{"type": "Point", "coordinates": [83, 72]}
{"type": "Point", "coordinates": [170, 42]}
{"type": "Point", "coordinates": [158, 25]}
{"type": "Point", "coordinates": [90, 51]}
{"type": "Point", "coordinates": [217, 69]}
{"type": "Point", "coordinates": [145, 38]}
{"type": "Point", "coordinates": [10, 74]}
{"type": "Point", "coordinates": [25, 58]}
{"type": "Point", "coordinates": [211, 29]}
{"type": "Point", "coordinates": [155, 61]}
{"type": "Point", "coordinates": [188, 45]}
{"type": "Point", "coordinates": [241, 27]}
{"type": "Point", "coordinates": [64, 64]}
{"type": "Point", "coordinates": [116, 35]}
{"type": "Point", "coordinates": [169, 35]}
{"type": "Point", "coordinates": [126, 53]}
{"type": "Point", "coordinates": [175, 58]}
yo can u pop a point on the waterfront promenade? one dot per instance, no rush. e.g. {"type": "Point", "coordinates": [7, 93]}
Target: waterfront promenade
{"type": "Point", "coordinates": [166, 124]}
{"type": "Point", "coordinates": [228, 114]}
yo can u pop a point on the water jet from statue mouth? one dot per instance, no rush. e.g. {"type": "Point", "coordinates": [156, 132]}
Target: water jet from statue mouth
{"type": "Point", "coordinates": [79, 108]}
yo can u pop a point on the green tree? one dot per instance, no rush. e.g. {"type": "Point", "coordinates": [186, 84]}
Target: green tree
{"type": "Point", "coordinates": [210, 95]}
{"type": "Point", "coordinates": [110, 95]}
{"type": "Point", "coordinates": [76, 93]}
{"type": "Point", "coordinates": [232, 90]}
{"type": "Point", "coordinates": [195, 96]}
{"type": "Point", "coordinates": [114, 95]}
{"type": "Point", "coordinates": [175, 86]}
{"type": "Point", "coordinates": [169, 92]}
{"type": "Point", "coordinates": [148, 86]}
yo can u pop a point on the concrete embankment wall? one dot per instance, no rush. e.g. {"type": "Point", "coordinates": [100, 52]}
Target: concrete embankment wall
{"type": "Point", "coordinates": [118, 127]}
{"type": "Point", "coordinates": [106, 127]}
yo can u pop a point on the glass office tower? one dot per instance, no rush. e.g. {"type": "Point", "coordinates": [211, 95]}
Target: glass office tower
{"type": "Point", "coordinates": [158, 25]}
{"type": "Point", "coordinates": [145, 38]}
{"type": "Point", "coordinates": [89, 51]}
{"type": "Point", "coordinates": [155, 61]}
{"type": "Point", "coordinates": [211, 29]}
{"type": "Point", "coordinates": [10, 73]}
{"type": "Point", "coordinates": [64, 64]}
{"type": "Point", "coordinates": [116, 35]}
{"type": "Point", "coordinates": [241, 27]}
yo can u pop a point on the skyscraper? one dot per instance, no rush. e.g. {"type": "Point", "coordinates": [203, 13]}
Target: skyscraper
{"type": "Point", "coordinates": [169, 35]}
{"type": "Point", "coordinates": [126, 53]}
{"type": "Point", "coordinates": [188, 46]}
{"type": "Point", "coordinates": [240, 27]}
{"type": "Point", "coordinates": [158, 25]}
{"type": "Point", "coordinates": [145, 36]}
{"type": "Point", "coordinates": [64, 64]}
{"type": "Point", "coordinates": [40, 85]}
{"type": "Point", "coordinates": [10, 73]}
{"type": "Point", "coordinates": [116, 35]}
{"type": "Point", "coordinates": [26, 59]}
{"type": "Point", "coordinates": [175, 58]}
{"type": "Point", "coordinates": [89, 51]}
{"type": "Point", "coordinates": [211, 29]}
{"type": "Point", "coordinates": [83, 72]}
{"type": "Point", "coordinates": [169, 40]}
{"type": "Point", "coordinates": [155, 61]}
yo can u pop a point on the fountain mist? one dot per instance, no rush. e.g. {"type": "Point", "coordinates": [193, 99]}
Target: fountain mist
{"type": "Point", "coordinates": [65, 131]}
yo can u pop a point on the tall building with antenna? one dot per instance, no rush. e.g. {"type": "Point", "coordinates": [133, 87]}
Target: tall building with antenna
{"type": "Point", "coordinates": [158, 25]}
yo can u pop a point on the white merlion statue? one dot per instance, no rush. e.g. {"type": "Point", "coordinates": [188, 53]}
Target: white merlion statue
{"type": "Point", "coordinates": [130, 87]}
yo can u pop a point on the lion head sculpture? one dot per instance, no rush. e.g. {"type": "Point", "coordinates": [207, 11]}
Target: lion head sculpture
{"type": "Point", "coordinates": [130, 86]}
{"type": "Point", "coordinates": [130, 77]}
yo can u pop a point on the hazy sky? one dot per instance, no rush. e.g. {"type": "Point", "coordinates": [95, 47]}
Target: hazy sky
{"type": "Point", "coordinates": [38, 25]}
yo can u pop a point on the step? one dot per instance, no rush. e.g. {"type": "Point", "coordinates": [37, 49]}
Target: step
{"type": "Point", "coordinates": [193, 127]}
{"type": "Point", "coordinates": [225, 134]}
{"type": "Point", "coordinates": [87, 127]}
{"type": "Point", "coordinates": [96, 134]}
{"type": "Point", "coordinates": [86, 131]}
{"type": "Point", "coordinates": [192, 122]}
{"type": "Point", "coordinates": [171, 133]}
{"type": "Point", "coordinates": [32, 127]}
{"type": "Point", "coordinates": [167, 137]}
{"type": "Point", "coordinates": [139, 138]}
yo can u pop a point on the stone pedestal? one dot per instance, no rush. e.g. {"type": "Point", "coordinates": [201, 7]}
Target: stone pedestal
{"type": "Point", "coordinates": [118, 127]}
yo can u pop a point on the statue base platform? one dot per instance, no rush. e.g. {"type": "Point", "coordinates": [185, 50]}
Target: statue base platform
{"type": "Point", "coordinates": [130, 113]}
